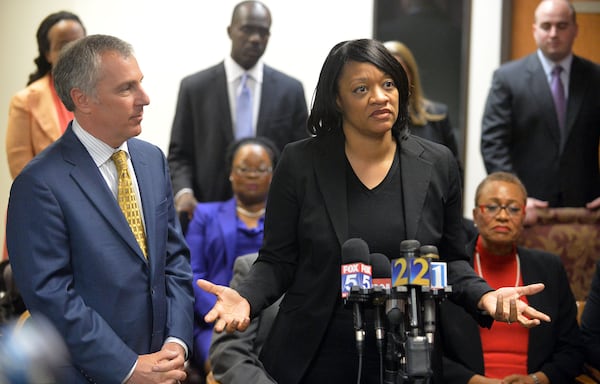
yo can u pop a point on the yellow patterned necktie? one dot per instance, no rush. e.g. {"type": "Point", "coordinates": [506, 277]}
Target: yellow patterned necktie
{"type": "Point", "coordinates": [127, 200]}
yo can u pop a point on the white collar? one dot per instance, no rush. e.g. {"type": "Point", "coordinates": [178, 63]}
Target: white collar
{"type": "Point", "coordinates": [234, 71]}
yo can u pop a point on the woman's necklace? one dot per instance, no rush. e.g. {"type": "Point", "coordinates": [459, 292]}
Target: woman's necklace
{"type": "Point", "coordinates": [480, 271]}
{"type": "Point", "coordinates": [247, 213]}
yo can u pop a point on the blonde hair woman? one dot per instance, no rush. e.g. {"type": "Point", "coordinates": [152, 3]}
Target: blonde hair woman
{"type": "Point", "coordinates": [427, 119]}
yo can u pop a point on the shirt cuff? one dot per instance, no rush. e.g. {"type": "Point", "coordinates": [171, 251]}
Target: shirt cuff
{"type": "Point", "coordinates": [130, 373]}
{"type": "Point", "coordinates": [182, 191]}
{"type": "Point", "coordinates": [171, 339]}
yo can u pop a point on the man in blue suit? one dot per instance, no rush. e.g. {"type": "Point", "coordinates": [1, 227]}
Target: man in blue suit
{"type": "Point", "coordinates": [205, 121]}
{"type": "Point", "coordinates": [125, 311]}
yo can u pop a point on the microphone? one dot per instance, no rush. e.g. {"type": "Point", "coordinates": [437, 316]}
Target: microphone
{"type": "Point", "coordinates": [401, 271]}
{"type": "Point", "coordinates": [413, 271]}
{"type": "Point", "coordinates": [429, 252]}
{"type": "Point", "coordinates": [356, 275]}
{"type": "Point", "coordinates": [382, 281]}
{"type": "Point", "coordinates": [356, 270]}
{"type": "Point", "coordinates": [382, 271]}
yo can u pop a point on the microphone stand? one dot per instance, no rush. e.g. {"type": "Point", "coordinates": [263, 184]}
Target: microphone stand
{"type": "Point", "coordinates": [406, 345]}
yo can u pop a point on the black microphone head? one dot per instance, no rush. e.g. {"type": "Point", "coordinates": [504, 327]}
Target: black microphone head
{"type": "Point", "coordinates": [409, 248]}
{"type": "Point", "coordinates": [429, 252]}
{"type": "Point", "coordinates": [382, 267]}
{"type": "Point", "coordinates": [355, 250]}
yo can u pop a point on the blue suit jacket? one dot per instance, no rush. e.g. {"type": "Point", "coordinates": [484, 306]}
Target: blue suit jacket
{"type": "Point", "coordinates": [212, 237]}
{"type": "Point", "coordinates": [77, 262]}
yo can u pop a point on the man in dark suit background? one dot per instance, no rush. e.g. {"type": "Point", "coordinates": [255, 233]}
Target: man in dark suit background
{"type": "Point", "coordinates": [123, 304]}
{"type": "Point", "coordinates": [205, 120]}
{"type": "Point", "coordinates": [521, 131]}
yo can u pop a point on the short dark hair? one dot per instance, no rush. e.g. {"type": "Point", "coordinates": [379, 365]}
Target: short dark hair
{"type": "Point", "coordinates": [237, 10]}
{"type": "Point", "coordinates": [42, 64]}
{"type": "Point", "coordinates": [506, 177]}
{"type": "Point", "coordinates": [264, 142]}
{"type": "Point", "coordinates": [325, 115]}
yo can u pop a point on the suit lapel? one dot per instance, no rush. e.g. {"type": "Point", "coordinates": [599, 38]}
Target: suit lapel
{"type": "Point", "coordinates": [268, 84]}
{"type": "Point", "coordinates": [331, 177]}
{"type": "Point", "coordinates": [329, 161]}
{"type": "Point", "coordinates": [540, 94]}
{"type": "Point", "coordinates": [418, 171]}
{"type": "Point", "coordinates": [531, 273]}
{"type": "Point", "coordinates": [146, 187]}
{"type": "Point", "coordinates": [227, 222]}
{"type": "Point", "coordinates": [86, 175]}
{"type": "Point", "coordinates": [221, 102]}
{"type": "Point", "coordinates": [577, 89]}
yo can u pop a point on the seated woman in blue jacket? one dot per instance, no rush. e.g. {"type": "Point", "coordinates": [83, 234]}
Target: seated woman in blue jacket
{"type": "Point", "coordinates": [221, 231]}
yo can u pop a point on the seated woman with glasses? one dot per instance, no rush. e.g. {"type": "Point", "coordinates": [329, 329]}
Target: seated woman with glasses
{"type": "Point", "coordinates": [508, 353]}
{"type": "Point", "coordinates": [221, 231]}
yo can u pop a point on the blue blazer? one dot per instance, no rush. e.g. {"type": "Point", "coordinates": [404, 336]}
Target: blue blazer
{"type": "Point", "coordinates": [77, 262]}
{"type": "Point", "coordinates": [211, 237]}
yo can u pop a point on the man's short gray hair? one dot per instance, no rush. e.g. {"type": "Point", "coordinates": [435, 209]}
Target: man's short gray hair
{"type": "Point", "coordinates": [79, 65]}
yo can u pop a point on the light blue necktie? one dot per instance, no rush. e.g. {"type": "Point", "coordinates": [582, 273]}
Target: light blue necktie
{"type": "Point", "coordinates": [244, 110]}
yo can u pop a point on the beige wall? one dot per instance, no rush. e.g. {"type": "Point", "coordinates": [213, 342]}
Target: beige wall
{"type": "Point", "coordinates": [175, 38]}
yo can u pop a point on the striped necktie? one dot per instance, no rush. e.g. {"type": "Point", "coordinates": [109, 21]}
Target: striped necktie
{"type": "Point", "coordinates": [128, 201]}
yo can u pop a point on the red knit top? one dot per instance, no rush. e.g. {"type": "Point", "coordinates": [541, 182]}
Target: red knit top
{"type": "Point", "coordinates": [504, 346]}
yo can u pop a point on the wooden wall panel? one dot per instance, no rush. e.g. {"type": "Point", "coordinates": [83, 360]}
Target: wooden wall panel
{"type": "Point", "coordinates": [587, 43]}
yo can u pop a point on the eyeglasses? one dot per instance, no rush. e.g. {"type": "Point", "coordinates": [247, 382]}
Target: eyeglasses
{"type": "Point", "coordinates": [512, 210]}
{"type": "Point", "coordinates": [243, 171]}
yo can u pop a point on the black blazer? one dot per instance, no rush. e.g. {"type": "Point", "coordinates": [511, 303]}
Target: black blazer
{"type": "Point", "coordinates": [439, 131]}
{"type": "Point", "coordinates": [590, 321]}
{"type": "Point", "coordinates": [555, 348]}
{"type": "Point", "coordinates": [202, 127]}
{"type": "Point", "coordinates": [307, 222]}
{"type": "Point", "coordinates": [520, 131]}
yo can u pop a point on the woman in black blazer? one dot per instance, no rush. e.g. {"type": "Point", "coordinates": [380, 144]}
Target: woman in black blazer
{"type": "Point", "coordinates": [360, 176]}
{"type": "Point", "coordinates": [427, 118]}
{"type": "Point", "coordinates": [590, 322]}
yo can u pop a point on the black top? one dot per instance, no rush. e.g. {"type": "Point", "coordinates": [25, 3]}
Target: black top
{"type": "Point", "coordinates": [369, 211]}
